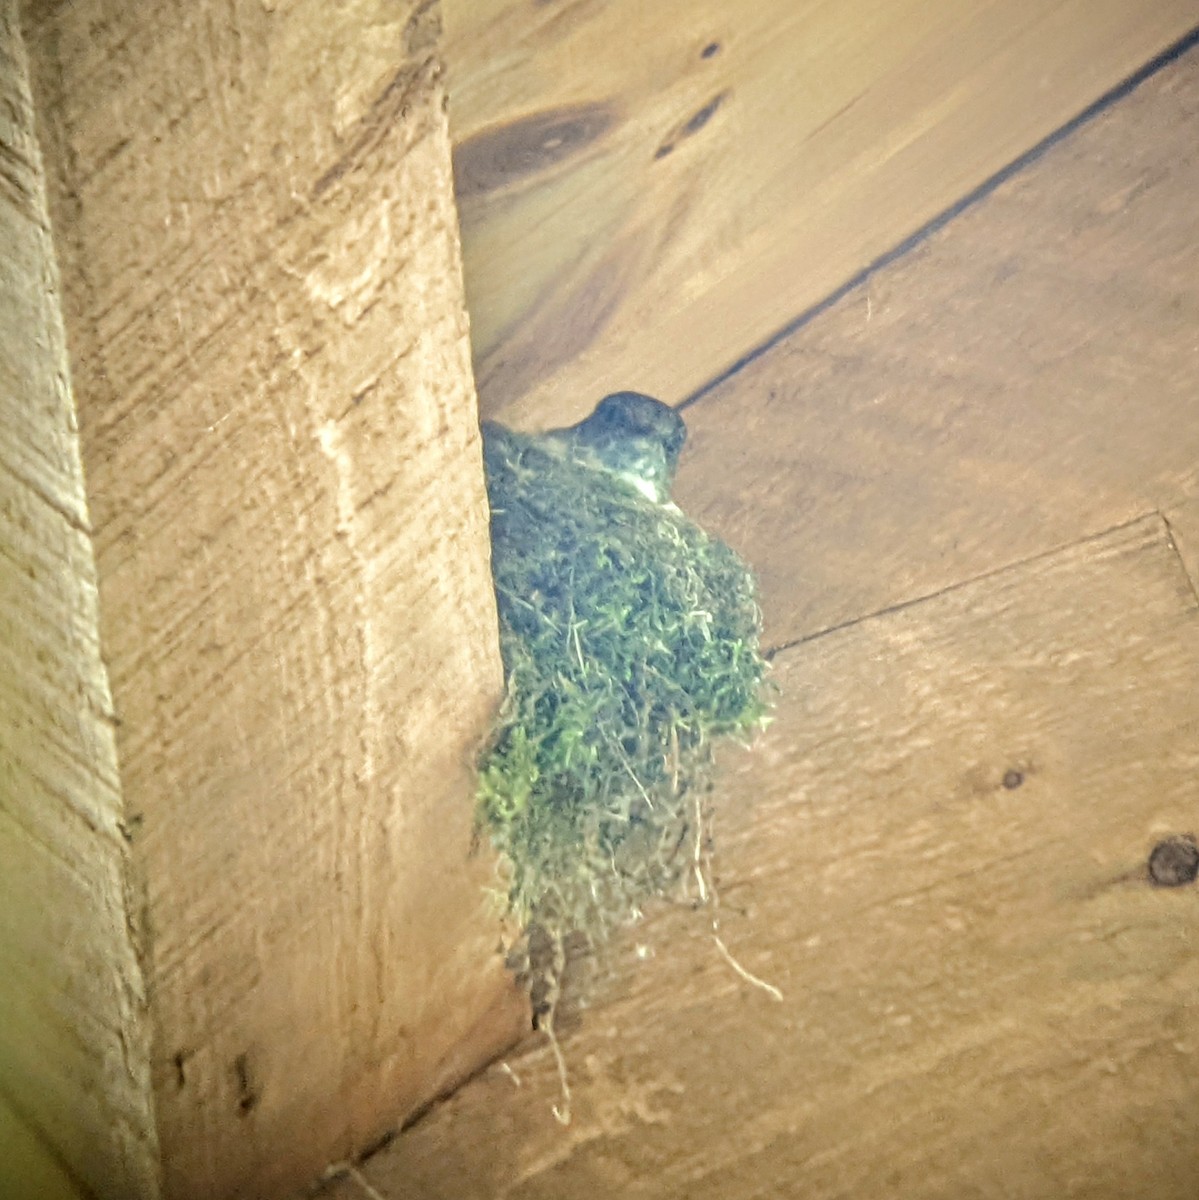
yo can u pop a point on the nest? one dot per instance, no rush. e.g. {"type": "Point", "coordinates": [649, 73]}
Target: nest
{"type": "Point", "coordinates": [630, 643]}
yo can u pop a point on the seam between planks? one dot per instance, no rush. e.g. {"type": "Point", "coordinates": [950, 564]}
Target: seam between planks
{"type": "Point", "coordinates": [1182, 563]}
{"type": "Point", "coordinates": [1160, 61]}
{"type": "Point", "coordinates": [771, 652]}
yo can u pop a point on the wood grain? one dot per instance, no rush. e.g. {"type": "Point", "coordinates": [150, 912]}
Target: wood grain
{"type": "Point", "coordinates": [938, 854]}
{"type": "Point", "coordinates": [650, 191]}
{"type": "Point", "coordinates": [269, 339]}
{"type": "Point", "coordinates": [74, 1035]}
{"type": "Point", "coordinates": [1023, 378]}
{"type": "Point", "coordinates": [982, 995]}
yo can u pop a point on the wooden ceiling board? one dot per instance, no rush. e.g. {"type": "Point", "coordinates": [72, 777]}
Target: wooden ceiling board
{"type": "Point", "coordinates": [650, 191]}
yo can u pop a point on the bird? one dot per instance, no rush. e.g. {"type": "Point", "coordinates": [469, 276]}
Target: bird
{"type": "Point", "coordinates": [630, 436]}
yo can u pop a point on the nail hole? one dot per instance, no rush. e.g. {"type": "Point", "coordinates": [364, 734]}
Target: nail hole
{"type": "Point", "coordinates": [1012, 779]}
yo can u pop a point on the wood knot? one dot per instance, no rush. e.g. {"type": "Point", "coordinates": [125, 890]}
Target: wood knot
{"type": "Point", "coordinates": [497, 158]}
{"type": "Point", "coordinates": [1174, 862]}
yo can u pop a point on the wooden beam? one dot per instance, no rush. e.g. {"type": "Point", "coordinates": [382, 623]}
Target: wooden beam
{"type": "Point", "coordinates": [75, 1037]}
{"type": "Point", "coordinates": [269, 346]}
{"type": "Point", "coordinates": [650, 191]}
{"type": "Point", "coordinates": [28, 1166]}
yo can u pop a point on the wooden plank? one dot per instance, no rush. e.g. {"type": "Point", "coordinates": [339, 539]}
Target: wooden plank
{"type": "Point", "coordinates": [938, 854]}
{"type": "Point", "coordinates": [74, 1037]}
{"type": "Point", "coordinates": [27, 1167]}
{"type": "Point", "coordinates": [649, 191]}
{"type": "Point", "coordinates": [1023, 378]}
{"type": "Point", "coordinates": [270, 354]}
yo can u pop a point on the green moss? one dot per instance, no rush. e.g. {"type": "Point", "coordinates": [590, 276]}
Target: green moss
{"type": "Point", "coordinates": [630, 643]}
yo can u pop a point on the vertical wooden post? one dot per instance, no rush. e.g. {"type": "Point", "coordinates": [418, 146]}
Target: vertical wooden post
{"type": "Point", "coordinates": [254, 215]}
{"type": "Point", "coordinates": [74, 1040]}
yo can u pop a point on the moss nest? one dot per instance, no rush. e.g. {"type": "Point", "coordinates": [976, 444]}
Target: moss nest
{"type": "Point", "coordinates": [630, 643]}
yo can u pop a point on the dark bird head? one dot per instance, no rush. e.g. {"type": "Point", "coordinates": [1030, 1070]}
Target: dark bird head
{"type": "Point", "coordinates": [633, 436]}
